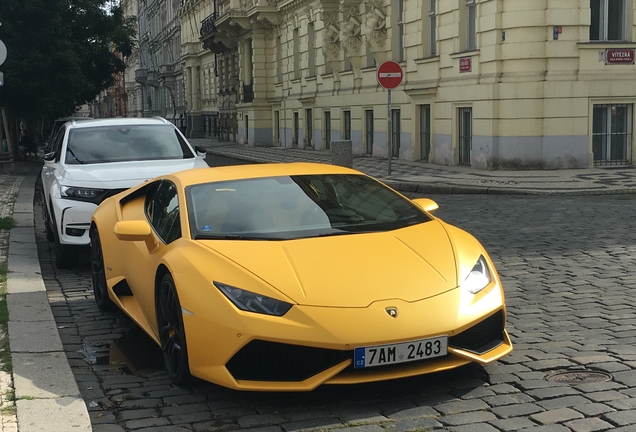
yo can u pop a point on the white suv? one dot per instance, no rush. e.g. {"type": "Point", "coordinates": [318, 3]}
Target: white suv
{"type": "Point", "coordinates": [94, 159]}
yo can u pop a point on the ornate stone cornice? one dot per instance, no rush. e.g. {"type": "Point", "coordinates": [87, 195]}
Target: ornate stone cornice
{"type": "Point", "coordinates": [269, 20]}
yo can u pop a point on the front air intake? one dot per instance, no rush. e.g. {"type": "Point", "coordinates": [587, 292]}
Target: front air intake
{"type": "Point", "coordinates": [482, 337]}
{"type": "Point", "coordinates": [270, 361]}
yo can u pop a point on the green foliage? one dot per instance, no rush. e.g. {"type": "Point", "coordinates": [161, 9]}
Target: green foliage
{"type": "Point", "coordinates": [61, 54]}
{"type": "Point", "coordinates": [6, 223]}
{"type": "Point", "coordinates": [9, 410]}
{"type": "Point", "coordinates": [3, 278]}
{"type": "Point", "coordinates": [5, 352]}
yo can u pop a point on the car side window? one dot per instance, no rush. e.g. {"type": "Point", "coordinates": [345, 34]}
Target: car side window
{"type": "Point", "coordinates": [162, 211]}
{"type": "Point", "coordinates": [57, 143]}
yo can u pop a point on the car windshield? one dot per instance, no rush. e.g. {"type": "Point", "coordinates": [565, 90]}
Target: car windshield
{"type": "Point", "coordinates": [289, 207]}
{"type": "Point", "coordinates": [120, 143]}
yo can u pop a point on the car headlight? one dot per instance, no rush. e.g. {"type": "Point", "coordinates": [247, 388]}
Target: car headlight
{"type": "Point", "coordinates": [478, 278]}
{"type": "Point", "coordinates": [80, 193]}
{"type": "Point", "coordinates": [251, 302]}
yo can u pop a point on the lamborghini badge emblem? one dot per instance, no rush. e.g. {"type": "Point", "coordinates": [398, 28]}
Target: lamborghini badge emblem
{"type": "Point", "coordinates": [392, 311]}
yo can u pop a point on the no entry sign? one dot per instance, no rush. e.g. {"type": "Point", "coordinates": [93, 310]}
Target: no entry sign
{"type": "Point", "coordinates": [390, 74]}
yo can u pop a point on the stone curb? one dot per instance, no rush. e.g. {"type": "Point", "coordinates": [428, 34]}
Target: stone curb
{"type": "Point", "coordinates": [48, 397]}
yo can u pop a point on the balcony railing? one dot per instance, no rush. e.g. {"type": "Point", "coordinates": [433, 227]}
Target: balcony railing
{"type": "Point", "coordinates": [214, 39]}
{"type": "Point", "coordinates": [207, 25]}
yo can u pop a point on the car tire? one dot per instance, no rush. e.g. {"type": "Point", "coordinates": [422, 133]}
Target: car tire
{"type": "Point", "coordinates": [50, 234]}
{"type": "Point", "coordinates": [98, 275]}
{"type": "Point", "coordinates": [66, 256]}
{"type": "Point", "coordinates": [171, 331]}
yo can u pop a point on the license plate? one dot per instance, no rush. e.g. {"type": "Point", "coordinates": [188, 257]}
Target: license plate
{"type": "Point", "coordinates": [381, 355]}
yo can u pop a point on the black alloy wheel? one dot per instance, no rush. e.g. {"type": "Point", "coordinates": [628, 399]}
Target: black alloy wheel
{"type": "Point", "coordinates": [171, 331]}
{"type": "Point", "coordinates": [100, 291]}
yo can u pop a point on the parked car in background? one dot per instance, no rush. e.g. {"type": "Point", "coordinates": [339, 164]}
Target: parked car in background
{"type": "Point", "coordinates": [283, 277]}
{"type": "Point", "coordinates": [91, 160]}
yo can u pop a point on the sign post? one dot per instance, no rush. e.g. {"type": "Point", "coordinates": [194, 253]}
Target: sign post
{"type": "Point", "coordinates": [3, 57]}
{"type": "Point", "coordinates": [390, 75]}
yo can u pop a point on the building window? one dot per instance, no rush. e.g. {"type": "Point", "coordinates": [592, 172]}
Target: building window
{"type": "Point", "coordinates": [309, 127]}
{"type": "Point", "coordinates": [471, 25]}
{"type": "Point", "coordinates": [277, 127]}
{"type": "Point", "coordinates": [248, 62]}
{"type": "Point", "coordinates": [279, 60]}
{"type": "Point", "coordinates": [347, 124]}
{"type": "Point", "coordinates": [296, 54]}
{"type": "Point", "coordinates": [247, 129]}
{"type": "Point", "coordinates": [612, 134]}
{"type": "Point", "coordinates": [327, 130]}
{"type": "Point", "coordinates": [608, 20]}
{"type": "Point", "coordinates": [368, 132]}
{"type": "Point", "coordinates": [398, 23]}
{"type": "Point", "coordinates": [432, 28]}
{"type": "Point", "coordinates": [311, 49]}
{"type": "Point", "coordinates": [296, 130]}
{"type": "Point", "coordinates": [465, 134]}
{"type": "Point", "coordinates": [425, 131]}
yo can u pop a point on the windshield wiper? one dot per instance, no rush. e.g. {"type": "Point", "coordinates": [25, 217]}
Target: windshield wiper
{"type": "Point", "coordinates": [73, 154]}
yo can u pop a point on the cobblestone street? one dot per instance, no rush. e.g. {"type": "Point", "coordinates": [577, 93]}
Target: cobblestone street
{"type": "Point", "coordinates": [567, 264]}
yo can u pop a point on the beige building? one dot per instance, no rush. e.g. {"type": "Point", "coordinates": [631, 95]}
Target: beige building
{"type": "Point", "coordinates": [211, 73]}
{"type": "Point", "coordinates": [487, 83]}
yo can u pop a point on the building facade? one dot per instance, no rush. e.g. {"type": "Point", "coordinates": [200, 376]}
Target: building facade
{"type": "Point", "coordinates": [160, 73]}
{"type": "Point", "coordinates": [512, 84]}
{"type": "Point", "coordinates": [133, 92]}
{"type": "Point", "coordinates": [207, 101]}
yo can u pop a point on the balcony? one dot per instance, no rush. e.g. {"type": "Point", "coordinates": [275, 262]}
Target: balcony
{"type": "Point", "coordinates": [207, 25]}
{"type": "Point", "coordinates": [216, 41]}
{"type": "Point", "coordinates": [153, 79]}
{"type": "Point", "coordinates": [166, 70]}
{"type": "Point", "coordinates": [141, 75]}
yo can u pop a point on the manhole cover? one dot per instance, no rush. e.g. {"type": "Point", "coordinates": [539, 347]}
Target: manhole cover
{"type": "Point", "coordinates": [578, 377]}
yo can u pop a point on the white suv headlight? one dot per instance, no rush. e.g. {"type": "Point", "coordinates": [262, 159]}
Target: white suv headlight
{"type": "Point", "coordinates": [80, 193]}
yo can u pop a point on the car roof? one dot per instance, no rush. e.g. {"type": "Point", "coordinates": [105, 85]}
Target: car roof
{"type": "Point", "coordinates": [123, 121]}
{"type": "Point", "coordinates": [65, 119]}
{"type": "Point", "coordinates": [240, 172]}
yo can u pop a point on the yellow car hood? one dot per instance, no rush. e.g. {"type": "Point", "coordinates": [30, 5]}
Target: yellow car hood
{"type": "Point", "coordinates": [353, 270]}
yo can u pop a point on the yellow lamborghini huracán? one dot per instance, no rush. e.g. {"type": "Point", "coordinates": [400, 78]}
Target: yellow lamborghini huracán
{"type": "Point", "coordinates": [289, 276]}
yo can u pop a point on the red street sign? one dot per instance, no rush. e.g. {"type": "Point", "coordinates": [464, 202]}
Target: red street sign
{"type": "Point", "coordinates": [619, 55]}
{"type": "Point", "coordinates": [465, 64]}
{"type": "Point", "coordinates": [390, 74]}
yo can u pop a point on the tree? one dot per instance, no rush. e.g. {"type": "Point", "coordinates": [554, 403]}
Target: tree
{"type": "Point", "coordinates": [61, 54]}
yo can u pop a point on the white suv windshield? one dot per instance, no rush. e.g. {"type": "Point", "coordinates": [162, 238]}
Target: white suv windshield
{"type": "Point", "coordinates": [122, 143]}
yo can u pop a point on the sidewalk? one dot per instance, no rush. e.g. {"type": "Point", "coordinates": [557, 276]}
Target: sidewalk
{"type": "Point", "coordinates": [46, 393]}
{"type": "Point", "coordinates": [428, 178]}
